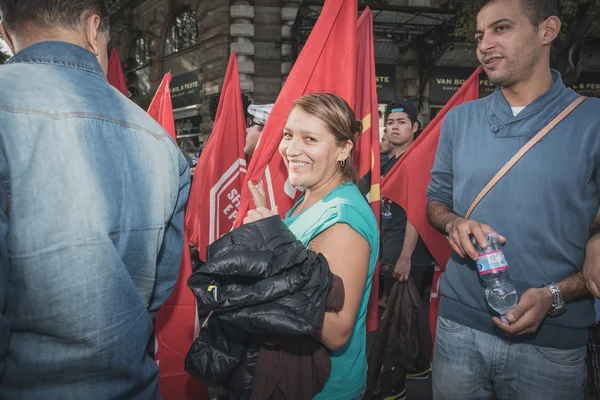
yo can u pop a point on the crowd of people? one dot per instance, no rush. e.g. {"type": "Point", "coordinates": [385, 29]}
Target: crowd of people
{"type": "Point", "coordinates": [92, 199]}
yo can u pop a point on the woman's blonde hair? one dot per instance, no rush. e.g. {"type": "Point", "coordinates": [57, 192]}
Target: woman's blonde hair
{"type": "Point", "coordinates": [338, 118]}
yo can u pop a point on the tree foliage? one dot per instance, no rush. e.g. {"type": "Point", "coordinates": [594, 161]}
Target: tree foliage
{"type": "Point", "coordinates": [4, 53]}
{"type": "Point", "coordinates": [3, 57]}
{"type": "Point", "coordinates": [580, 24]}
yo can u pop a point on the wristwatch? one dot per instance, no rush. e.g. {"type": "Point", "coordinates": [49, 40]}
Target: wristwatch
{"type": "Point", "coordinates": [558, 305]}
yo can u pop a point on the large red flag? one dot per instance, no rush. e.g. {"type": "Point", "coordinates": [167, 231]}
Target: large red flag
{"type": "Point", "coordinates": [366, 155]}
{"type": "Point", "coordinates": [327, 63]}
{"type": "Point", "coordinates": [161, 107]}
{"type": "Point", "coordinates": [115, 73]}
{"type": "Point", "coordinates": [175, 322]}
{"type": "Point", "coordinates": [217, 187]}
{"type": "Point", "coordinates": [407, 182]}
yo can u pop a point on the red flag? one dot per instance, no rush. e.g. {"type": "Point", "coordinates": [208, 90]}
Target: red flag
{"type": "Point", "coordinates": [327, 63]}
{"type": "Point", "coordinates": [176, 330]}
{"type": "Point", "coordinates": [366, 155]}
{"type": "Point", "coordinates": [175, 322]}
{"type": "Point", "coordinates": [407, 182]}
{"type": "Point", "coordinates": [215, 196]}
{"type": "Point", "coordinates": [161, 108]}
{"type": "Point", "coordinates": [115, 73]}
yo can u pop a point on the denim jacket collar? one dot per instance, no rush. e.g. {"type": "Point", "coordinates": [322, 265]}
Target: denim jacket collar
{"type": "Point", "coordinates": [499, 111]}
{"type": "Point", "coordinates": [59, 53]}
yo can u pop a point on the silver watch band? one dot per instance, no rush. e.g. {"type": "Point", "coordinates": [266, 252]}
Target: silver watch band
{"type": "Point", "coordinates": [558, 305]}
{"type": "Point", "coordinates": [556, 297]}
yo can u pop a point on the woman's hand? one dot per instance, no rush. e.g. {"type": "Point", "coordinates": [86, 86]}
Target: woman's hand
{"type": "Point", "coordinates": [259, 196]}
{"type": "Point", "coordinates": [258, 214]}
{"type": "Point", "coordinates": [260, 202]}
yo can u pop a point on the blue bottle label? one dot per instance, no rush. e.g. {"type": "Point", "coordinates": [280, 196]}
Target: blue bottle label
{"type": "Point", "coordinates": [491, 262]}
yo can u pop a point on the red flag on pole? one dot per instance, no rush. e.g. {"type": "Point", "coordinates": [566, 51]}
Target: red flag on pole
{"type": "Point", "coordinates": [366, 155]}
{"type": "Point", "coordinates": [216, 191]}
{"type": "Point", "coordinates": [175, 322]}
{"type": "Point", "coordinates": [327, 63]}
{"type": "Point", "coordinates": [407, 182]}
{"type": "Point", "coordinates": [161, 108]}
{"type": "Point", "coordinates": [115, 73]}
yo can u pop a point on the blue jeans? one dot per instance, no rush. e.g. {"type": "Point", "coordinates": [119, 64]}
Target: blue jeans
{"type": "Point", "coordinates": [470, 364]}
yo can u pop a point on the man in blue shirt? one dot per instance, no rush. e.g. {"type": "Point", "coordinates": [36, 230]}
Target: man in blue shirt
{"type": "Point", "coordinates": [92, 195]}
{"type": "Point", "coordinates": [543, 208]}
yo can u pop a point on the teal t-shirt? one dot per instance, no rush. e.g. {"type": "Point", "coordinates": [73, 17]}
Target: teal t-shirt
{"type": "Point", "coordinates": [345, 205]}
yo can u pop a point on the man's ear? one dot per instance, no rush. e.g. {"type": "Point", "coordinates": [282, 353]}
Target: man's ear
{"type": "Point", "coordinates": [549, 29]}
{"type": "Point", "coordinates": [415, 127]}
{"type": "Point", "coordinates": [92, 33]}
{"type": "Point", "coordinates": [7, 38]}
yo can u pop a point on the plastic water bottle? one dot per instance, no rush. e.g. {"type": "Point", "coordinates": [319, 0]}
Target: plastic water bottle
{"type": "Point", "coordinates": [493, 270]}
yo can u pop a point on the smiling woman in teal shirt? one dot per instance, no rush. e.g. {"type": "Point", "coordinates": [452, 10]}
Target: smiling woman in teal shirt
{"type": "Point", "coordinates": [332, 218]}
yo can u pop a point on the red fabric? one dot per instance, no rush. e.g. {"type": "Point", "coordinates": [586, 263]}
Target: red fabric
{"type": "Point", "coordinates": [175, 322]}
{"type": "Point", "coordinates": [161, 108]}
{"type": "Point", "coordinates": [407, 182]}
{"type": "Point", "coordinates": [175, 332]}
{"type": "Point", "coordinates": [115, 73]}
{"type": "Point", "coordinates": [366, 155]}
{"type": "Point", "coordinates": [327, 63]}
{"type": "Point", "coordinates": [215, 195]}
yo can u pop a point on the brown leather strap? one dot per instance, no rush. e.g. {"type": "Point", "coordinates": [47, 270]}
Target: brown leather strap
{"type": "Point", "coordinates": [532, 142]}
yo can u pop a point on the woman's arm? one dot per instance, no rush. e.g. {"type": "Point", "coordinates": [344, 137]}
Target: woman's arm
{"type": "Point", "coordinates": [347, 253]}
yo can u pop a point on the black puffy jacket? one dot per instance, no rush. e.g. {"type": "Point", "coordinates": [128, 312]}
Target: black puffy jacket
{"type": "Point", "coordinates": [267, 284]}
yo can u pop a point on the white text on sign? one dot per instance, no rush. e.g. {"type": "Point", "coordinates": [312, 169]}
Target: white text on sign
{"type": "Point", "coordinates": [231, 210]}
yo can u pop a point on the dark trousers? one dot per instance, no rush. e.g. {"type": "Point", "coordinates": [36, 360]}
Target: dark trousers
{"type": "Point", "coordinates": [423, 276]}
{"type": "Point", "coordinates": [593, 360]}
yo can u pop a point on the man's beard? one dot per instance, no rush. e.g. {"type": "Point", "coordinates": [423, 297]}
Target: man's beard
{"type": "Point", "coordinates": [504, 80]}
{"type": "Point", "coordinates": [503, 77]}
{"type": "Point", "coordinates": [513, 73]}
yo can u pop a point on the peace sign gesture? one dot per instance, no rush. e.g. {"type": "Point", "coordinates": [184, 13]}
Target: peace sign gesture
{"type": "Point", "coordinates": [259, 198]}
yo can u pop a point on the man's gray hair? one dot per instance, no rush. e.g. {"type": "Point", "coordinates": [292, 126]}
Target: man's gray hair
{"type": "Point", "coordinates": [19, 15]}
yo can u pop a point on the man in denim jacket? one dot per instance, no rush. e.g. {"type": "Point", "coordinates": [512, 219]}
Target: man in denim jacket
{"type": "Point", "coordinates": [92, 196]}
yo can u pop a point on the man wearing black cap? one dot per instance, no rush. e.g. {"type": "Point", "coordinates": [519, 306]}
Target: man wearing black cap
{"type": "Point", "coordinates": [403, 252]}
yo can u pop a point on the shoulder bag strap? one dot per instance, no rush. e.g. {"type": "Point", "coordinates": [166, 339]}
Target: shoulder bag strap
{"type": "Point", "coordinates": [532, 142]}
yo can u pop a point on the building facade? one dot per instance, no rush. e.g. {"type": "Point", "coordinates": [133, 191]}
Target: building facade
{"type": "Point", "coordinates": [193, 39]}
{"type": "Point", "coordinates": [417, 55]}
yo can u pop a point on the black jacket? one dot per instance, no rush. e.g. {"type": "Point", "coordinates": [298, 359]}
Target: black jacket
{"type": "Point", "coordinates": [267, 284]}
{"type": "Point", "coordinates": [396, 346]}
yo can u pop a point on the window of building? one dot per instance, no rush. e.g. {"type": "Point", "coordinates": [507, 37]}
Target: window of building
{"type": "Point", "coordinates": [142, 50]}
{"type": "Point", "coordinates": [183, 32]}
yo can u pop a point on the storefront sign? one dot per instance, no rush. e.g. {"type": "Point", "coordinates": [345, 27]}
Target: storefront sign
{"type": "Point", "coordinates": [185, 89]}
{"type": "Point", "coordinates": [386, 82]}
{"type": "Point", "coordinates": [188, 126]}
{"type": "Point", "coordinates": [445, 81]}
{"type": "Point", "coordinates": [588, 81]}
